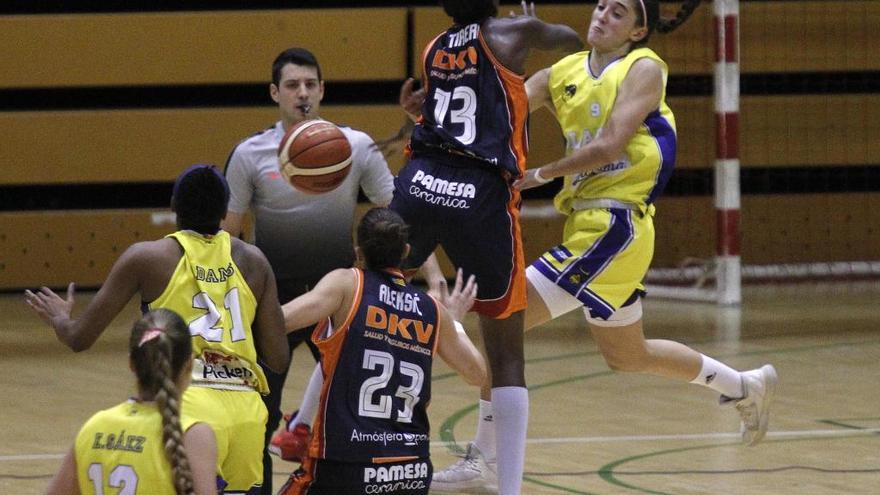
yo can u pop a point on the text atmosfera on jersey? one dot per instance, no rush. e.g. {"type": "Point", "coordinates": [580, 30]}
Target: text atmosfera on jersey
{"type": "Point", "coordinates": [377, 369]}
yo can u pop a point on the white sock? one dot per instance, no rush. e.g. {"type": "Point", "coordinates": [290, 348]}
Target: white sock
{"type": "Point", "coordinates": [719, 377]}
{"type": "Point", "coordinates": [485, 439]}
{"type": "Point", "coordinates": [312, 396]}
{"type": "Point", "coordinates": [511, 414]}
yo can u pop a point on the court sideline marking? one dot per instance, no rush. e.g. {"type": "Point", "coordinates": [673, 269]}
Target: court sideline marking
{"type": "Point", "coordinates": [580, 440]}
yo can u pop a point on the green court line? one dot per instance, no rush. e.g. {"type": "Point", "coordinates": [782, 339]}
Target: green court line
{"type": "Point", "coordinates": [446, 433]}
{"type": "Point", "coordinates": [448, 426]}
{"type": "Point", "coordinates": [558, 487]}
{"type": "Point", "coordinates": [840, 422]}
{"type": "Point", "coordinates": [874, 418]}
{"type": "Point", "coordinates": [606, 472]}
{"type": "Point", "coordinates": [842, 425]}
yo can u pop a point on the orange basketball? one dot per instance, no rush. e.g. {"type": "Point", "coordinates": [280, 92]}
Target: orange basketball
{"type": "Point", "coordinates": [314, 156]}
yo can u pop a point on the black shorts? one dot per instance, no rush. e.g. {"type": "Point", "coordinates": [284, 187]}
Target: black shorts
{"type": "Point", "coordinates": [473, 212]}
{"type": "Point", "coordinates": [324, 477]}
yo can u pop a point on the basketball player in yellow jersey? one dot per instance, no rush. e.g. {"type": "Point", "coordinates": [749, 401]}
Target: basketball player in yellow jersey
{"type": "Point", "coordinates": [620, 135]}
{"type": "Point", "coordinates": [139, 444]}
{"type": "Point", "coordinates": [224, 290]}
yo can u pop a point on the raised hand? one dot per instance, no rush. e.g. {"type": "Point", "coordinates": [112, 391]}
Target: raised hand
{"type": "Point", "coordinates": [49, 306]}
{"type": "Point", "coordinates": [460, 300]}
{"type": "Point", "coordinates": [411, 99]}
{"type": "Point", "coordinates": [528, 9]}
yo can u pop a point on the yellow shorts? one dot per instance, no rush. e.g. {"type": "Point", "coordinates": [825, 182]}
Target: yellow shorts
{"type": "Point", "coordinates": [603, 258]}
{"type": "Point", "coordinates": [239, 422]}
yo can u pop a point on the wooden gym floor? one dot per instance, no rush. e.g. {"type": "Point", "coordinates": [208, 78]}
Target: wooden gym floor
{"type": "Point", "coordinates": [590, 431]}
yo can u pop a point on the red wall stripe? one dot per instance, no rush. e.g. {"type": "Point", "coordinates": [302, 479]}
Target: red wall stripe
{"type": "Point", "coordinates": [727, 49]}
{"type": "Point", "coordinates": [727, 136]}
{"type": "Point", "coordinates": [728, 232]}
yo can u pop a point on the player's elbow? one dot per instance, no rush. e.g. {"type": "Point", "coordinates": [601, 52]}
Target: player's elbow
{"type": "Point", "coordinates": [280, 364]}
{"type": "Point", "coordinates": [279, 360]}
{"type": "Point", "coordinates": [73, 336]}
{"type": "Point", "coordinates": [476, 379]}
{"type": "Point", "coordinates": [290, 323]}
{"type": "Point", "coordinates": [276, 364]}
{"type": "Point", "coordinates": [475, 375]}
{"type": "Point", "coordinates": [77, 344]}
{"type": "Point", "coordinates": [609, 150]}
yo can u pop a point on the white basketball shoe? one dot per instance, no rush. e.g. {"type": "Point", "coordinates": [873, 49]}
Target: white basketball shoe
{"type": "Point", "coordinates": [759, 386]}
{"type": "Point", "coordinates": [472, 474]}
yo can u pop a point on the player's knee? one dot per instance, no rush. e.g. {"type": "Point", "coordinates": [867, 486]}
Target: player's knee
{"type": "Point", "coordinates": [623, 317]}
{"type": "Point", "coordinates": [624, 362]}
{"type": "Point", "coordinates": [621, 353]}
{"type": "Point", "coordinates": [510, 367]}
{"type": "Point", "coordinates": [509, 373]}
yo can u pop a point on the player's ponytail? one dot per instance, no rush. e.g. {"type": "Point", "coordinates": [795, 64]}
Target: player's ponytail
{"type": "Point", "coordinates": [650, 17]}
{"type": "Point", "coordinates": [160, 348]}
{"type": "Point", "coordinates": [685, 11]}
{"type": "Point", "coordinates": [382, 236]}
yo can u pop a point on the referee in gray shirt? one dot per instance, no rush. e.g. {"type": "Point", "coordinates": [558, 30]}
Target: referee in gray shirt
{"type": "Point", "coordinates": [304, 236]}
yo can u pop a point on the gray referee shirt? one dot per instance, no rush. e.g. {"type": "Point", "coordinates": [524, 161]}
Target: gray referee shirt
{"type": "Point", "coordinates": [304, 236]}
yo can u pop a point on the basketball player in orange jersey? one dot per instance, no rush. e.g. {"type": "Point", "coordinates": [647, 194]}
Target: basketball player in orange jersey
{"type": "Point", "coordinates": [621, 147]}
{"type": "Point", "coordinates": [378, 336]}
{"type": "Point", "coordinates": [468, 146]}
{"type": "Point", "coordinates": [225, 290]}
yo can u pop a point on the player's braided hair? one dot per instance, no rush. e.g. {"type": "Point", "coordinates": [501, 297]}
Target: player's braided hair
{"type": "Point", "coordinates": [382, 236]}
{"type": "Point", "coordinates": [660, 24]}
{"type": "Point", "coordinates": [160, 347]}
{"type": "Point", "coordinates": [200, 197]}
{"type": "Point", "coordinates": [469, 11]}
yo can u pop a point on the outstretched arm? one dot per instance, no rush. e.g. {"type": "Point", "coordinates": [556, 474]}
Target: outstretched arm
{"type": "Point", "coordinates": [538, 91]}
{"type": "Point", "coordinates": [80, 333]}
{"type": "Point", "coordinates": [457, 350]}
{"type": "Point", "coordinates": [461, 298]}
{"type": "Point", "coordinates": [455, 347]}
{"type": "Point", "coordinates": [638, 96]}
{"type": "Point", "coordinates": [323, 301]}
{"type": "Point", "coordinates": [512, 38]}
{"type": "Point", "coordinates": [547, 36]}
